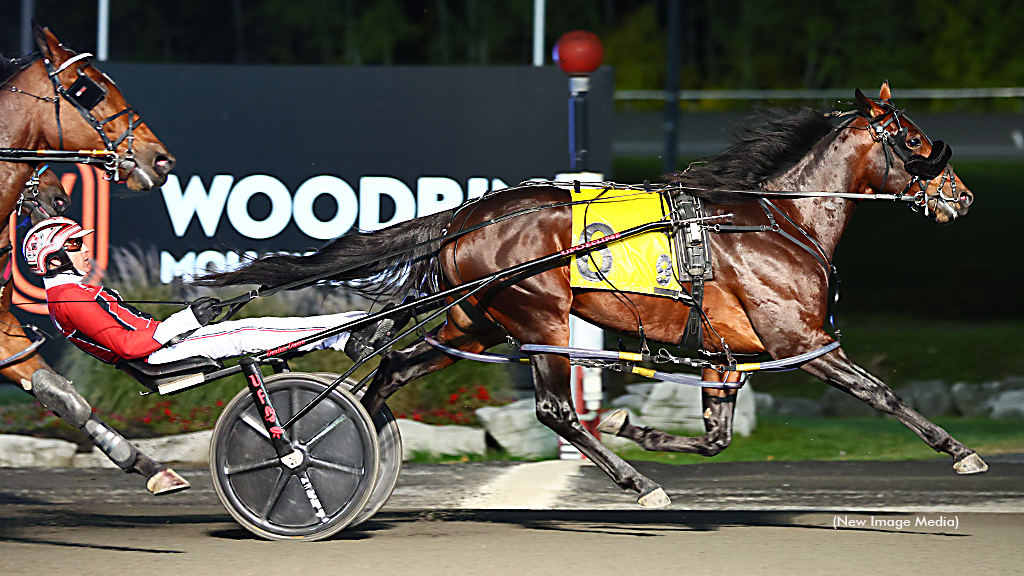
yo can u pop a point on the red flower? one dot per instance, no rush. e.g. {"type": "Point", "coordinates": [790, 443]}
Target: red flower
{"type": "Point", "coordinates": [482, 394]}
{"type": "Point", "coordinates": [146, 419]}
{"type": "Point", "coordinates": [417, 417]}
{"type": "Point", "coordinates": [219, 403]}
{"type": "Point", "coordinates": [453, 398]}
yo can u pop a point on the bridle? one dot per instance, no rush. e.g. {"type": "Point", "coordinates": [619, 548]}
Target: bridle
{"type": "Point", "coordinates": [30, 195]}
{"type": "Point", "coordinates": [922, 170]}
{"type": "Point", "coordinates": [84, 94]}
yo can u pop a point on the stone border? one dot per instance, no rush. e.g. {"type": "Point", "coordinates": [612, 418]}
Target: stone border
{"type": "Point", "coordinates": [17, 451]}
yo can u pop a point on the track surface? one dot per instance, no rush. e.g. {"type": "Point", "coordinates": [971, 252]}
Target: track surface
{"type": "Point", "coordinates": [764, 518]}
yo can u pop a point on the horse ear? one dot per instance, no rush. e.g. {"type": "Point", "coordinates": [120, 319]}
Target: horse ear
{"type": "Point", "coordinates": [864, 104]}
{"type": "Point", "coordinates": [39, 33]}
{"type": "Point", "coordinates": [48, 44]}
{"type": "Point", "coordinates": [884, 93]}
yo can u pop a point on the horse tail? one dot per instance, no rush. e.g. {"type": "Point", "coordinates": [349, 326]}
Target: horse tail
{"type": "Point", "coordinates": [386, 262]}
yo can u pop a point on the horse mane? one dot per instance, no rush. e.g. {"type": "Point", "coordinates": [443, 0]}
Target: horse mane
{"type": "Point", "coordinates": [758, 153]}
{"type": "Point", "coordinates": [11, 66]}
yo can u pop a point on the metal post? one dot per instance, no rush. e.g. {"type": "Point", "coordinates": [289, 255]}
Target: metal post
{"type": "Point", "coordinates": [578, 88]}
{"type": "Point", "coordinates": [538, 32]}
{"type": "Point", "coordinates": [28, 12]}
{"type": "Point", "coordinates": [673, 63]}
{"type": "Point", "coordinates": [102, 29]}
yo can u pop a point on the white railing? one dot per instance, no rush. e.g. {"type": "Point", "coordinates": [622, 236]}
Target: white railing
{"type": "Point", "coordinates": [902, 94]}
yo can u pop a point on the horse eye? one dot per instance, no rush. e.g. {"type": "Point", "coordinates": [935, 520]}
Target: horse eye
{"type": "Point", "coordinates": [914, 142]}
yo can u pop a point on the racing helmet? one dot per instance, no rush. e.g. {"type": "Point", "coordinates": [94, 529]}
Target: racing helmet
{"type": "Point", "coordinates": [45, 242]}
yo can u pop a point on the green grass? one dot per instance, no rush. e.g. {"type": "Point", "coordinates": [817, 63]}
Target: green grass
{"type": "Point", "coordinates": [793, 439]}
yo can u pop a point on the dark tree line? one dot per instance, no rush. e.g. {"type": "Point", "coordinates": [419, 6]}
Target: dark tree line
{"type": "Point", "coordinates": [727, 43]}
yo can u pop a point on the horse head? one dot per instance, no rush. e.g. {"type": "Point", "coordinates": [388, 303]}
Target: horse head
{"type": "Point", "coordinates": [103, 118]}
{"type": "Point", "coordinates": [912, 164]}
{"type": "Point", "coordinates": [43, 196]}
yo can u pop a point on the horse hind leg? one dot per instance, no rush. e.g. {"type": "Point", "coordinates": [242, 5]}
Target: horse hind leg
{"type": "Point", "coordinates": [719, 408]}
{"type": "Point", "coordinates": [839, 371]}
{"type": "Point", "coordinates": [398, 368]}
{"type": "Point", "coordinates": [555, 409]}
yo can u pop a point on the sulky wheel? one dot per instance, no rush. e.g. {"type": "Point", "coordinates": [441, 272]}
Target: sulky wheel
{"type": "Point", "coordinates": [320, 496]}
{"type": "Point", "coordinates": [390, 442]}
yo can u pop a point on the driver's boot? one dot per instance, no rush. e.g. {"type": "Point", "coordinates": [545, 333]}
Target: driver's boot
{"type": "Point", "coordinates": [362, 343]}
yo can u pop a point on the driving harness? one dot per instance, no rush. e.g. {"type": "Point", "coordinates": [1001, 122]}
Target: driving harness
{"type": "Point", "coordinates": [689, 240]}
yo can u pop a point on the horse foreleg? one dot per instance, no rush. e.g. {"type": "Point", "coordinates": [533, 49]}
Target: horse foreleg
{"type": "Point", "coordinates": [719, 406]}
{"type": "Point", "coordinates": [59, 396]}
{"type": "Point", "coordinates": [555, 410]}
{"type": "Point", "coordinates": [838, 370]}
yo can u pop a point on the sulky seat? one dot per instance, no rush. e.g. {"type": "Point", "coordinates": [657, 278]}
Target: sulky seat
{"type": "Point", "coordinates": [152, 376]}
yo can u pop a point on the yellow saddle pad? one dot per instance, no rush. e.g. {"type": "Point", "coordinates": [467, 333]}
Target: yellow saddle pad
{"type": "Point", "coordinates": [644, 264]}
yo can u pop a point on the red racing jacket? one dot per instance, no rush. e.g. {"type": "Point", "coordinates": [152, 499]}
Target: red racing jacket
{"type": "Point", "coordinates": [99, 322]}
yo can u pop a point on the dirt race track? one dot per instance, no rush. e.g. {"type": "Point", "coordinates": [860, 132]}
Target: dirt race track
{"type": "Point", "coordinates": [545, 518]}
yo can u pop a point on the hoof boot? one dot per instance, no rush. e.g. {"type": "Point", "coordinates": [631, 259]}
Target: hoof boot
{"type": "Point", "coordinates": [970, 464]}
{"type": "Point", "coordinates": [614, 422]}
{"type": "Point", "coordinates": [654, 499]}
{"type": "Point", "coordinates": [166, 481]}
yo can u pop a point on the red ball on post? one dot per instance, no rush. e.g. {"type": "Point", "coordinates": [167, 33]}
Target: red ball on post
{"type": "Point", "coordinates": [578, 52]}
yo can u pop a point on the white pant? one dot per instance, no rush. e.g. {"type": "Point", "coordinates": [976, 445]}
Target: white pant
{"type": "Point", "coordinates": [250, 335]}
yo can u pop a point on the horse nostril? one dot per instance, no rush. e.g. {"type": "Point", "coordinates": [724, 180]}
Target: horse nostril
{"type": "Point", "coordinates": [163, 164]}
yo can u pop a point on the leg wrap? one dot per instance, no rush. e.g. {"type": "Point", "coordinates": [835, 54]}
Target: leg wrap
{"type": "Point", "coordinates": [59, 396]}
{"type": "Point", "coordinates": [120, 451]}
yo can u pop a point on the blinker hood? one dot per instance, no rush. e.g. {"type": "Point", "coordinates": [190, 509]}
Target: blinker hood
{"type": "Point", "coordinates": [930, 167]}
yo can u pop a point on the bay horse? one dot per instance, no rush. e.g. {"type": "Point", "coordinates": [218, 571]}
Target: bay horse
{"type": "Point", "coordinates": [768, 295]}
{"type": "Point", "coordinates": [94, 116]}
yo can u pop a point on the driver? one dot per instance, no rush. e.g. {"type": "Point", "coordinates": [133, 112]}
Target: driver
{"type": "Point", "coordinates": [99, 322]}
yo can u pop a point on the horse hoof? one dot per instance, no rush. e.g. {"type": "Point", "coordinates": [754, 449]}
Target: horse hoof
{"type": "Point", "coordinates": [614, 422]}
{"type": "Point", "coordinates": [166, 482]}
{"type": "Point", "coordinates": [971, 464]}
{"type": "Point", "coordinates": [654, 499]}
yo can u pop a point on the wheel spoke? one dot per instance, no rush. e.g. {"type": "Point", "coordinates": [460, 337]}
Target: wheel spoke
{"type": "Point", "coordinates": [314, 500]}
{"type": "Point", "coordinates": [229, 470]}
{"type": "Point", "coordinates": [318, 463]}
{"type": "Point", "coordinates": [295, 409]}
{"type": "Point", "coordinates": [282, 481]}
{"type": "Point", "coordinates": [326, 429]}
{"type": "Point", "coordinates": [256, 425]}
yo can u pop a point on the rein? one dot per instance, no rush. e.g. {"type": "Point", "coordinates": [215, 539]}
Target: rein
{"type": "Point", "coordinates": [239, 301]}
